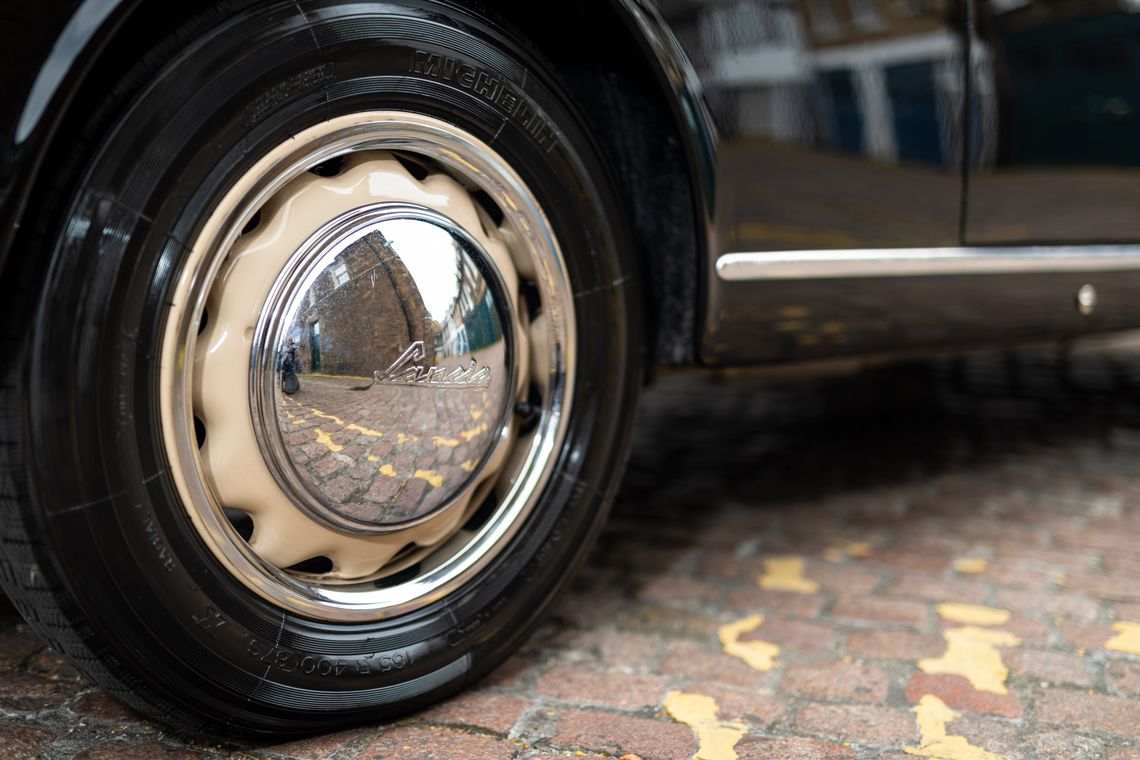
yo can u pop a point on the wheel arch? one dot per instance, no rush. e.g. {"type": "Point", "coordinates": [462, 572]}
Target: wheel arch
{"type": "Point", "coordinates": [616, 58]}
{"type": "Point", "coordinates": [636, 88]}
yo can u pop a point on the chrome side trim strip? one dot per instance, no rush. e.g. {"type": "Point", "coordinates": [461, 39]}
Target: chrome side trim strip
{"type": "Point", "coordinates": [924, 262]}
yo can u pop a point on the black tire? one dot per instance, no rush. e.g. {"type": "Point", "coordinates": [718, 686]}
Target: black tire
{"type": "Point", "coordinates": [97, 552]}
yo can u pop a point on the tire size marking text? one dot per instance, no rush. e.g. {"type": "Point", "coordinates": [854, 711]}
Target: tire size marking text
{"type": "Point", "coordinates": [164, 556]}
{"type": "Point", "coordinates": [210, 621]}
{"type": "Point", "coordinates": [288, 661]}
{"type": "Point", "coordinates": [490, 86]}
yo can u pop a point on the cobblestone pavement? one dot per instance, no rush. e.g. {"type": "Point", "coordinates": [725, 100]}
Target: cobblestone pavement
{"type": "Point", "coordinates": [937, 559]}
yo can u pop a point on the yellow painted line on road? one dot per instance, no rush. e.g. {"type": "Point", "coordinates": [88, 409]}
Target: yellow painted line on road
{"type": "Point", "coordinates": [972, 653]}
{"type": "Point", "coordinates": [402, 438]}
{"type": "Point", "coordinates": [1127, 638]}
{"type": "Point", "coordinates": [839, 551]}
{"type": "Point", "coordinates": [365, 430]}
{"type": "Point", "coordinates": [717, 738]}
{"type": "Point", "coordinates": [759, 655]}
{"type": "Point", "coordinates": [468, 465]}
{"type": "Point", "coordinates": [970, 565]}
{"type": "Point", "coordinates": [787, 574]}
{"type": "Point", "coordinates": [431, 476]}
{"type": "Point", "coordinates": [467, 435]}
{"type": "Point", "coordinates": [932, 715]}
{"type": "Point", "coordinates": [373, 458]}
{"type": "Point", "coordinates": [972, 614]}
{"type": "Point", "coordinates": [450, 443]}
{"type": "Point", "coordinates": [326, 440]}
{"type": "Point", "coordinates": [832, 328]}
{"type": "Point", "coordinates": [476, 414]}
{"type": "Point", "coordinates": [387, 469]}
{"type": "Point", "coordinates": [332, 417]}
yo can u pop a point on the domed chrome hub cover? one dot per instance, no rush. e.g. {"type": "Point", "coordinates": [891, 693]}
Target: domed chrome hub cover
{"type": "Point", "coordinates": [397, 325]}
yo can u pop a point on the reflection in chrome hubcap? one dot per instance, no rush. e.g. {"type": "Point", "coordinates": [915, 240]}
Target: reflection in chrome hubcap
{"type": "Point", "coordinates": [347, 345]}
{"type": "Point", "coordinates": [406, 289]}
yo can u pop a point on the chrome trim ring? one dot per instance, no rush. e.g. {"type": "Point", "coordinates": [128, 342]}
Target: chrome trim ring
{"type": "Point", "coordinates": [223, 290]}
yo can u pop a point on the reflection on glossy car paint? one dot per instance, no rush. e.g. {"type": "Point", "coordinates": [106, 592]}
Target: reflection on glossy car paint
{"type": "Point", "coordinates": [879, 85]}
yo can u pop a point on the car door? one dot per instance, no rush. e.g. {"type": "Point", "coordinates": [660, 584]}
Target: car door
{"type": "Point", "coordinates": [1055, 157]}
{"type": "Point", "coordinates": [839, 128]}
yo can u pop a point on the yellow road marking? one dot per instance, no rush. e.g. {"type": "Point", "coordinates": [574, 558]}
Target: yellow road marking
{"type": "Point", "coordinates": [787, 574]}
{"type": "Point", "coordinates": [387, 469]}
{"type": "Point", "coordinates": [932, 715]}
{"type": "Point", "coordinates": [365, 431]}
{"type": "Point", "coordinates": [794, 312]}
{"type": "Point", "coordinates": [431, 476]}
{"type": "Point", "coordinates": [439, 440]}
{"type": "Point", "coordinates": [716, 737]}
{"type": "Point", "coordinates": [836, 552]}
{"type": "Point", "coordinates": [468, 466]}
{"type": "Point", "coordinates": [332, 417]}
{"type": "Point", "coordinates": [970, 565]}
{"type": "Point", "coordinates": [972, 653]}
{"type": "Point", "coordinates": [972, 614]}
{"type": "Point", "coordinates": [476, 414]}
{"type": "Point", "coordinates": [1127, 638]}
{"type": "Point", "coordinates": [401, 438]}
{"type": "Point", "coordinates": [760, 655]}
{"type": "Point", "coordinates": [467, 435]}
{"type": "Point", "coordinates": [373, 458]}
{"type": "Point", "coordinates": [326, 440]}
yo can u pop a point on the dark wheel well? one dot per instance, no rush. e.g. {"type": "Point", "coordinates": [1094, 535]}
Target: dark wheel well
{"type": "Point", "coordinates": [605, 65]}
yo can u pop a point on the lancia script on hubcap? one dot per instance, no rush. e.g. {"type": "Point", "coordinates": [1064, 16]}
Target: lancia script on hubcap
{"type": "Point", "coordinates": [404, 371]}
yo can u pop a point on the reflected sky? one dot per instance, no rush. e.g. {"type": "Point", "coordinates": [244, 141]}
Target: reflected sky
{"type": "Point", "coordinates": [427, 250]}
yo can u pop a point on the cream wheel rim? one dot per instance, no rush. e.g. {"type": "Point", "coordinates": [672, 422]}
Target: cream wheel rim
{"type": "Point", "coordinates": [385, 535]}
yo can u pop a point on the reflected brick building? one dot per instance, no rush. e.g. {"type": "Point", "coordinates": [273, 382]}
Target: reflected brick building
{"type": "Point", "coordinates": [362, 312]}
{"type": "Point", "coordinates": [879, 78]}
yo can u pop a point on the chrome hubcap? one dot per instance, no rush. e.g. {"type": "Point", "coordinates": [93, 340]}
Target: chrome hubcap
{"type": "Point", "coordinates": [406, 278]}
{"type": "Point", "coordinates": [398, 322]}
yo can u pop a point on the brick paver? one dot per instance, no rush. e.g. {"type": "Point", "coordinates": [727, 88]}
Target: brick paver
{"type": "Point", "coordinates": [938, 559]}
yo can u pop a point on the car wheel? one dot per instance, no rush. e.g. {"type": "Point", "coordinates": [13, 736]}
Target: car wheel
{"type": "Point", "coordinates": [325, 374]}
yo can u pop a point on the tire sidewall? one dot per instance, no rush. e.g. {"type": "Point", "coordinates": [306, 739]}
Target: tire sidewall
{"type": "Point", "coordinates": [170, 615]}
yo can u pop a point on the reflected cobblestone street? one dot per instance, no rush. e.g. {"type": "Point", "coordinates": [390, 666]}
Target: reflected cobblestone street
{"type": "Point", "coordinates": [331, 430]}
{"type": "Point", "coordinates": [933, 559]}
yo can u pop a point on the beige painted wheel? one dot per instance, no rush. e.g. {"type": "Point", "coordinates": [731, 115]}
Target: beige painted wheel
{"type": "Point", "coordinates": [403, 275]}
